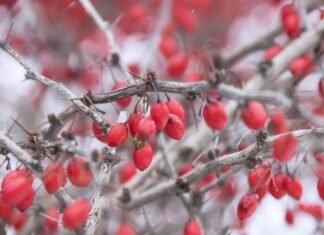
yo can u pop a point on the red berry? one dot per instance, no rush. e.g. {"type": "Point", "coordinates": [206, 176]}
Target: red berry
{"type": "Point", "coordinates": [78, 172]}
{"type": "Point", "coordinates": [287, 10]}
{"type": "Point", "coordinates": [193, 77]}
{"type": "Point", "coordinates": [143, 157]}
{"type": "Point", "coordinates": [126, 172]}
{"type": "Point", "coordinates": [278, 121]}
{"type": "Point", "coordinates": [168, 45]}
{"type": "Point", "coordinates": [284, 148]}
{"type": "Point", "coordinates": [277, 185]}
{"type": "Point", "coordinates": [15, 188]}
{"type": "Point", "coordinates": [320, 187]}
{"type": "Point", "coordinates": [247, 206]}
{"type": "Point", "coordinates": [301, 66]}
{"type": "Point", "coordinates": [291, 24]}
{"type": "Point", "coordinates": [54, 177]}
{"type": "Point", "coordinates": [214, 115]}
{"type": "Point", "coordinates": [5, 209]}
{"type": "Point", "coordinates": [176, 108]}
{"type": "Point", "coordinates": [254, 115]}
{"type": "Point", "coordinates": [186, 169]}
{"type": "Point", "coordinates": [117, 135]}
{"type": "Point", "coordinates": [133, 120]}
{"type": "Point", "coordinates": [319, 157]}
{"type": "Point", "coordinates": [293, 187]}
{"type": "Point", "coordinates": [175, 128]}
{"type": "Point", "coordinates": [160, 115]}
{"type": "Point", "coordinates": [98, 133]}
{"type": "Point", "coordinates": [185, 17]}
{"type": "Point", "coordinates": [289, 217]}
{"type": "Point", "coordinates": [124, 102]}
{"type": "Point", "coordinates": [259, 176]}
{"type": "Point", "coordinates": [261, 191]}
{"type": "Point", "coordinates": [192, 228]}
{"type": "Point", "coordinates": [51, 219]}
{"type": "Point", "coordinates": [272, 52]}
{"type": "Point", "coordinates": [76, 213]}
{"type": "Point", "coordinates": [26, 174]}
{"type": "Point", "coordinates": [146, 127]}
{"type": "Point", "coordinates": [314, 210]}
{"type": "Point", "coordinates": [27, 201]}
{"type": "Point", "coordinates": [18, 220]}
{"type": "Point", "coordinates": [177, 65]}
{"type": "Point", "coordinates": [124, 229]}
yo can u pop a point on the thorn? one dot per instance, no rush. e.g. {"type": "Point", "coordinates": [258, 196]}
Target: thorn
{"type": "Point", "coordinates": [8, 34]}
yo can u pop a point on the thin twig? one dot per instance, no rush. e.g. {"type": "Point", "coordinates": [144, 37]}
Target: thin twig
{"type": "Point", "coordinates": [64, 91]}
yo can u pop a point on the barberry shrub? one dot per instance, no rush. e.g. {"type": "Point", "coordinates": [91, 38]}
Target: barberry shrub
{"type": "Point", "coordinates": [161, 117]}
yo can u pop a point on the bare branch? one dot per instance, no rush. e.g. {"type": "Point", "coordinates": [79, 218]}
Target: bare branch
{"type": "Point", "coordinates": [65, 92]}
{"type": "Point", "coordinates": [107, 30]}
{"type": "Point", "coordinates": [23, 157]}
{"type": "Point", "coordinates": [260, 42]}
{"type": "Point", "coordinates": [253, 152]}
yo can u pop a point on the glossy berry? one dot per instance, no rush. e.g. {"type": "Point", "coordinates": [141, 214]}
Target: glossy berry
{"type": "Point", "coordinates": [124, 102]}
{"type": "Point", "coordinates": [15, 188]}
{"type": "Point", "coordinates": [177, 65]}
{"type": "Point", "coordinates": [54, 177]}
{"type": "Point", "coordinates": [98, 133]}
{"type": "Point", "coordinates": [175, 128]}
{"type": "Point", "coordinates": [133, 120]}
{"type": "Point", "coordinates": [293, 187]}
{"type": "Point", "coordinates": [78, 172]}
{"type": "Point", "coordinates": [261, 190]}
{"type": "Point", "coordinates": [214, 115]}
{"type": "Point", "coordinates": [124, 229]}
{"type": "Point", "coordinates": [142, 157]}
{"type": "Point", "coordinates": [314, 210]}
{"type": "Point", "coordinates": [291, 23]}
{"type": "Point", "coordinates": [277, 185]}
{"type": "Point", "coordinates": [160, 114]}
{"type": "Point", "coordinates": [259, 176]}
{"type": "Point", "coordinates": [168, 46]}
{"type": "Point", "coordinates": [192, 228]}
{"type": "Point", "coordinates": [51, 219]}
{"type": "Point", "coordinates": [126, 172]}
{"type": "Point", "coordinates": [146, 127]}
{"type": "Point", "coordinates": [247, 206]}
{"type": "Point", "coordinates": [320, 187]}
{"type": "Point", "coordinates": [28, 200]}
{"type": "Point", "coordinates": [18, 220]}
{"type": "Point", "coordinates": [289, 217]}
{"type": "Point", "coordinates": [272, 52]}
{"type": "Point", "coordinates": [284, 148]}
{"type": "Point", "coordinates": [5, 210]}
{"type": "Point", "coordinates": [176, 108]}
{"type": "Point", "coordinates": [76, 214]}
{"type": "Point", "coordinates": [117, 135]}
{"type": "Point", "coordinates": [278, 121]}
{"type": "Point", "coordinates": [301, 66]}
{"type": "Point", "coordinates": [185, 18]}
{"type": "Point", "coordinates": [254, 115]}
